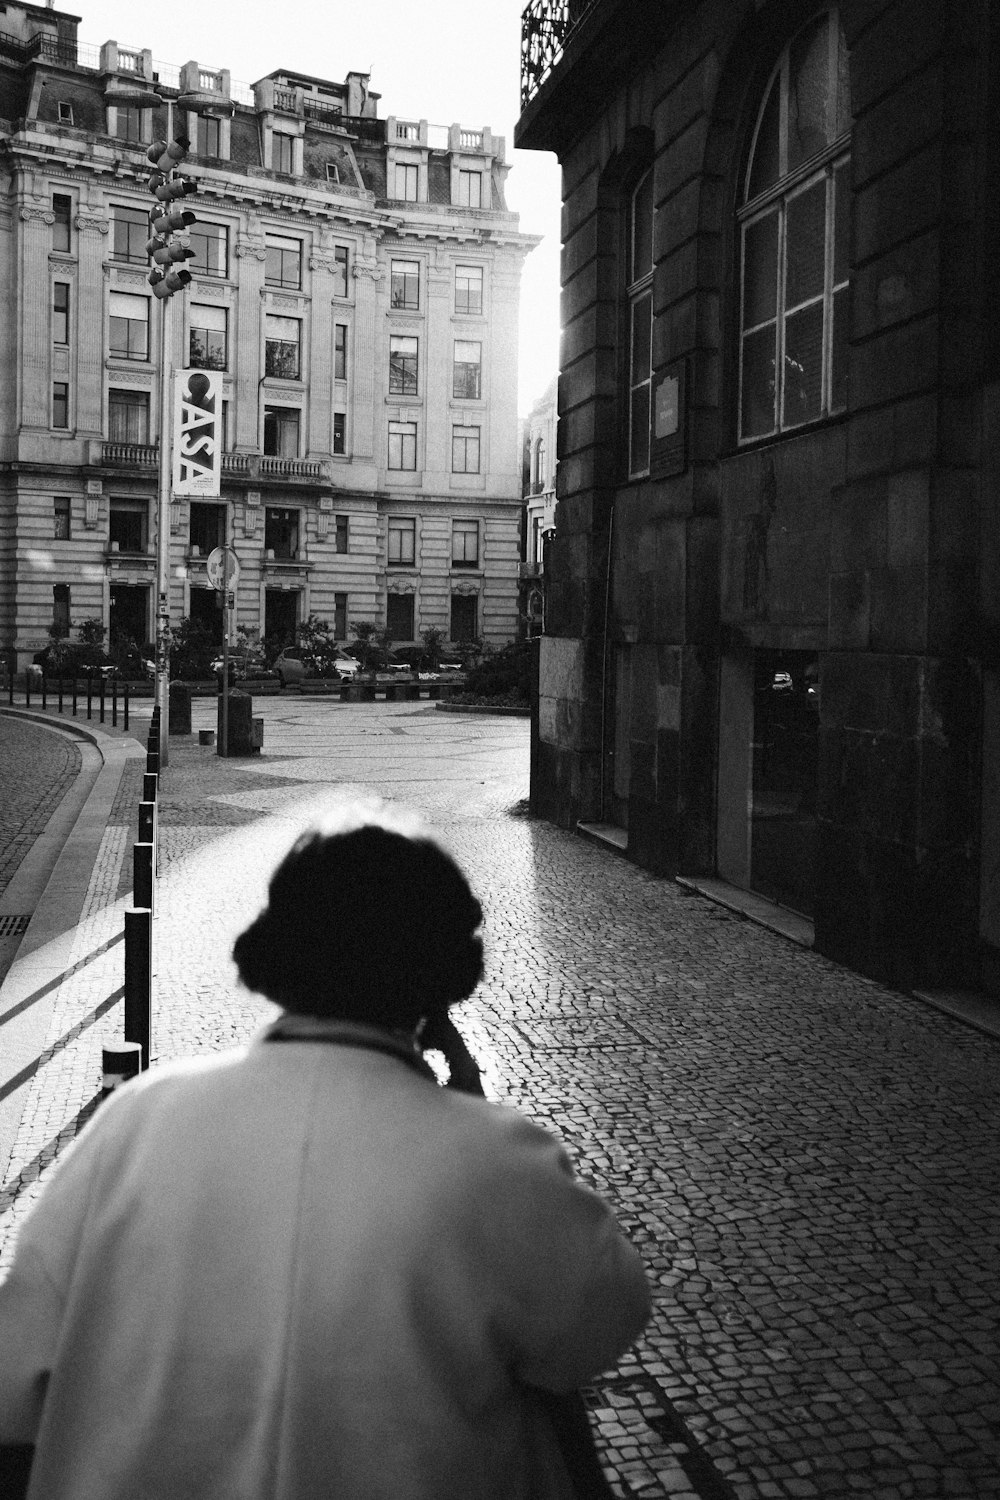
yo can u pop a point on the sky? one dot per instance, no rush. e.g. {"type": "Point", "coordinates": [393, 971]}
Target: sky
{"type": "Point", "coordinates": [443, 61]}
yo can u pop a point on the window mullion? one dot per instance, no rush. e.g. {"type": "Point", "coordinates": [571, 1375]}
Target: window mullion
{"type": "Point", "coordinates": [779, 338]}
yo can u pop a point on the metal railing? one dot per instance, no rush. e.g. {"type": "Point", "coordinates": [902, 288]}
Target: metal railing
{"type": "Point", "coordinates": [143, 454]}
{"type": "Point", "coordinates": [546, 26]}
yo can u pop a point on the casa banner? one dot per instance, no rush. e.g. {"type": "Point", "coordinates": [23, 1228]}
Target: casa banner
{"type": "Point", "coordinates": [197, 432]}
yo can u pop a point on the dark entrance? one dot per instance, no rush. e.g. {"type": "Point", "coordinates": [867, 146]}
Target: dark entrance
{"type": "Point", "coordinates": [281, 609]}
{"type": "Point", "coordinates": [129, 614]}
{"type": "Point", "coordinates": [785, 768]}
{"type": "Point", "coordinates": [205, 610]}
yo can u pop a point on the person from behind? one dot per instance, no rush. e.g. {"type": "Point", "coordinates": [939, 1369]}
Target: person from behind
{"type": "Point", "coordinates": [300, 1268]}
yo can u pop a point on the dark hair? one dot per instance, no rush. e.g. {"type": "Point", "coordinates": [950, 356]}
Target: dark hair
{"type": "Point", "coordinates": [368, 923]}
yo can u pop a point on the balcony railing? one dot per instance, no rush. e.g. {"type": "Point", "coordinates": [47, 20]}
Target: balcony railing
{"type": "Point", "coordinates": [143, 454]}
{"type": "Point", "coordinates": [546, 26]}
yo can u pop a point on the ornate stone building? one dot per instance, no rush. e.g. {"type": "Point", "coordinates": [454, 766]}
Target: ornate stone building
{"type": "Point", "coordinates": [355, 279]}
{"type": "Point", "coordinates": [772, 649]}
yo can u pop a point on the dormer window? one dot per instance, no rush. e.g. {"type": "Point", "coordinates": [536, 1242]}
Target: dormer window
{"type": "Point", "coordinates": [65, 112]}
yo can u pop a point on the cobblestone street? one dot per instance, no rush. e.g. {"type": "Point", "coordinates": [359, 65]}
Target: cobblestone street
{"type": "Point", "coordinates": [808, 1162]}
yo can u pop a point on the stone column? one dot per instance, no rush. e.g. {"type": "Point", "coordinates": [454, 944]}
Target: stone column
{"type": "Point", "coordinates": [437, 395]}
{"type": "Point", "coordinates": [89, 341]}
{"type": "Point", "coordinates": [248, 370]}
{"type": "Point", "coordinates": [33, 299]}
{"type": "Point", "coordinates": [364, 387]}
{"type": "Point", "coordinates": [323, 267]}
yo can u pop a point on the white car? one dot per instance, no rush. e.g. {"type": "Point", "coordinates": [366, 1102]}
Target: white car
{"type": "Point", "coordinates": [293, 664]}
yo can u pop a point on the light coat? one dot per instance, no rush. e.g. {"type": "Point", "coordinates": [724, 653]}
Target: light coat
{"type": "Point", "coordinates": [299, 1270]}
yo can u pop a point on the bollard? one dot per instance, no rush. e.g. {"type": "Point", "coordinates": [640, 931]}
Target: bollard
{"type": "Point", "coordinates": [142, 875]}
{"type": "Point", "coordinates": [150, 786]}
{"type": "Point", "coordinates": [90, 691]}
{"type": "Point", "coordinates": [125, 718]}
{"type": "Point", "coordinates": [74, 694]}
{"type": "Point", "coordinates": [100, 697]}
{"type": "Point", "coordinates": [153, 762]}
{"type": "Point", "coordinates": [45, 689]}
{"type": "Point", "coordinates": [119, 1063]}
{"type": "Point", "coordinates": [139, 980]}
{"type": "Point", "coordinates": [114, 702]}
{"type": "Point", "coordinates": [27, 688]}
{"type": "Point", "coordinates": [60, 693]}
{"type": "Point", "coordinates": [147, 831]}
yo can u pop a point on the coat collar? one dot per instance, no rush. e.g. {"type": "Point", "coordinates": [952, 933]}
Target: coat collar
{"type": "Point", "coordinates": [296, 1028]}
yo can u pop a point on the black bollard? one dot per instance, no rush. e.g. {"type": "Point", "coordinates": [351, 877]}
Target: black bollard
{"type": "Point", "coordinates": [139, 979]}
{"type": "Point", "coordinates": [74, 695]}
{"type": "Point", "coordinates": [142, 875]}
{"type": "Point", "coordinates": [125, 719]}
{"type": "Point", "coordinates": [119, 1063]}
{"type": "Point", "coordinates": [149, 786]}
{"type": "Point", "coordinates": [45, 687]}
{"type": "Point", "coordinates": [100, 696]}
{"type": "Point", "coordinates": [90, 692]}
{"type": "Point", "coordinates": [114, 702]}
{"type": "Point", "coordinates": [152, 762]}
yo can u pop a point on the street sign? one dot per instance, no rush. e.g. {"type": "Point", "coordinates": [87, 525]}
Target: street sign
{"type": "Point", "coordinates": [223, 569]}
{"type": "Point", "coordinates": [197, 456]}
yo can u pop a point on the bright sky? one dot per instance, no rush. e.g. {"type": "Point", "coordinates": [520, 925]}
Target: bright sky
{"type": "Point", "coordinates": [444, 62]}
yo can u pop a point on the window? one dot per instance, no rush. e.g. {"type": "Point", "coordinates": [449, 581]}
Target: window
{"type": "Point", "coordinates": [467, 370]}
{"type": "Point", "coordinates": [402, 541]}
{"type": "Point", "coordinates": [468, 289]}
{"type": "Point", "coordinates": [210, 243]}
{"type": "Point", "coordinates": [129, 326]}
{"type": "Point", "coordinates": [60, 403]}
{"type": "Point", "coordinates": [332, 173]}
{"type": "Point", "coordinates": [470, 189]}
{"type": "Point", "coordinates": [340, 432]}
{"type": "Point", "coordinates": [128, 416]}
{"type": "Point", "coordinates": [340, 616]}
{"type": "Point", "coordinates": [62, 228]}
{"type": "Point", "coordinates": [639, 296]}
{"type": "Point", "coordinates": [207, 528]}
{"type": "Point", "coordinates": [539, 465]}
{"type": "Point", "coordinates": [209, 136]}
{"type": "Point", "coordinates": [340, 351]}
{"type": "Point", "coordinates": [283, 264]}
{"type": "Point", "coordinates": [340, 262]}
{"type": "Point", "coordinates": [402, 445]}
{"type": "Point", "coordinates": [130, 230]}
{"type": "Point", "coordinates": [465, 544]}
{"type": "Point", "coordinates": [403, 365]}
{"type": "Point", "coordinates": [128, 525]}
{"type": "Point", "coordinates": [60, 610]}
{"type": "Point", "coordinates": [64, 111]}
{"type": "Point", "coordinates": [227, 432]}
{"type": "Point", "coordinates": [465, 450]}
{"type": "Point", "coordinates": [281, 347]}
{"type": "Point", "coordinates": [794, 235]}
{"type": "Point", "coordinates": [281, 431]}
{"type": "Point", "coordinates": [405, 288]}
{"type": "Point", "coordinates": [129, 126]}
{"type": "Point", "coordinates": [61, 518]}
{"type": "Point", "coordinates": [407, 179]}
{"type": "Point", "coordinates": [282, 152]}
{"type": "Point", "coordinates": [463, 617]}
{"type": "Point", "coordinates": [399, 617]}
{"type": "Point", "coordinates": [281, 533]}
{"type": "Point", "coordinates": [207, 344]}
{"type": "Point", "coordinates": [341, 532]}
{"type": "Point", "coordinates": [60, 312]}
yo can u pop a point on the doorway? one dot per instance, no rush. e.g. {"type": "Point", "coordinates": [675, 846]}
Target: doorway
{"type": "Point", "coordinates": [205, 609]}
{"type": "Point", "coordinates": [129, 620]}
{"type": "Point", "coordinates": [281, 613]}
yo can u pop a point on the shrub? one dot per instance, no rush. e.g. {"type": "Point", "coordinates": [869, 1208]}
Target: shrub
{"type": "Point", "coordinates": [505, 674]}
{"type": "Point", "coordinates": [193, 651]}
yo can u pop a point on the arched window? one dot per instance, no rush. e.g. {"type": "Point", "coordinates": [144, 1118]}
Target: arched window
{"type": "Point", "coordinates": [794, 237]}
{"type": "Point", "coordinates": [639, 295]}
{"type": "Point", "coordinates": [540, 462]}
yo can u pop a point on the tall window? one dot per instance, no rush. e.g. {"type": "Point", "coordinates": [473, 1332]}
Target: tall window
{"type": "Point", "coordinates": [465, 544]}
{"type": "Point", "coordinates": [210, 243]}
{"type": "Point", "coordinates": [794, 231]}
{"type": "Point", "coordinates": [129, 333]}
{"type": "Point", "coordinates": [405, 287]}
{"type": "Point", "coordinates": [402, 541]}
{"type": "Point", "coordinates": [61, 511]}
{"type": "Point", "coordinates": [281, 431]}
{"type": "Point", "coordinates": [129, 519]}
{"type": "Point", "coordinates": [470, 189]}
{"type": "Point", "coordinates": [60, 312]}
{"type": "Point", "coordinates": [407, 178]}
{"type": "Point", "coordinates": [281, 532]}
{"type": "Point", "coordinates": [340, 616]}
{"type": "Point", "coordinates": [208, 338]}
{"type": "Point", "coordinates": [341, 260]}
{"type": "Point", "coordinates": [281, 347]}
{"type": "Point", "coordinates": [463, 617]}
{"type": "Point", "coordinates": [209, 136]}
{"type": "Point", "coordinates": [129, 232]}
{"type": "Point", "coordinates": [468, 289]}
{"type": "Point", "coordinates": [639, 295]}
{"type": "Point", "coordinates": [60, 403]}
{"type": "Point", "coordinates": [341, 533]}
{"type": "Point", "coordinates": [340, 432]}
{"type": "Point", "coordinates": [340, 351]}
{"type": "Point", "coordinates": [282, 152]}
{"type": "Point", "coordinates": [402, 445]}
{"type": "Point", "coordinates": [129, 126]}
{"type": "Point", "coordinates": [399, 617]}
{"type": "Point", "coordinates": [62, 228]}
{"type": "Point", "coordinates": [60, 609]}
{"type": "Point", "coordinates": [207, 528]}
{"type": "Point", "coordinates": [465, 450]}
{"type": "Point", "coordinates": [467, 372]}
{"type": "Point", "coordinates": [403, 365]}
{"type": "Point", "coordinates": [128, 416]}
{"type": "Point", "coordinates": [283, 263]}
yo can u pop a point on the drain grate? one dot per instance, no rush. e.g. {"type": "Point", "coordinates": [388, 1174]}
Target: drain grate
{"type": "Point", "coordinates": [13, 926]}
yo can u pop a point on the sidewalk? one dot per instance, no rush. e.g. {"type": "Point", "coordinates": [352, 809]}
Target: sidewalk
{"type": "Point", "coordinates": [808, 1162]}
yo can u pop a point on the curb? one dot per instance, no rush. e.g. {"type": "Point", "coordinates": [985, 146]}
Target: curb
{"type": "Point", "coordinates": [483, 708]}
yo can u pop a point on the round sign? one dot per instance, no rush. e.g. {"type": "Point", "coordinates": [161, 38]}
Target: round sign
{"type": "Point", "coordinates": [222, 568]}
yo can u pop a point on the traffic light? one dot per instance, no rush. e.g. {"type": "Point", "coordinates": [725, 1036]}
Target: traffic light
{"type": "Point", "coordinates": [167, 274]}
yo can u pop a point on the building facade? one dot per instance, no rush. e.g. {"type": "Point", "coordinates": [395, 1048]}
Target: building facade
{"type": "Point", "coordinates": [356, 282]}
{"type": "Point", "coordinates": [538, 471]}
{"type": "Point", "coordinates": [772, 618]}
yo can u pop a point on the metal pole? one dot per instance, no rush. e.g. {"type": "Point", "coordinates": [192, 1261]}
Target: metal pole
{"type": "Point", "coordinates": [163, 517]}
{"type": "Point", "coordinates": [139, 979]}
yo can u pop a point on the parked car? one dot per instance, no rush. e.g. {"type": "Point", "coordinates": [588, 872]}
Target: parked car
{"type": "Point", "coordinates": [293, 664]}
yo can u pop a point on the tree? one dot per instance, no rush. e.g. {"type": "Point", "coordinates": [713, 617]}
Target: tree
{"type": "Point", "coordinates": [319, 645]}
{"type": "Point", "coordinates": [193, 650]}
{"type": "Point", "coordinates": [371, 645]}
{"type": "Point", "coordinates": [433, 640]}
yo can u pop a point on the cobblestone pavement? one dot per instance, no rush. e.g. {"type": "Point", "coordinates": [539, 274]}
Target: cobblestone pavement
{"type": "Point", "coordinates": [36, 767]}
{"type": "Point", "coordinates": [807, 1161]}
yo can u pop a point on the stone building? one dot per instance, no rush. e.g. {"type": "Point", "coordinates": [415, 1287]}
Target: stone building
{"type": "Point", "coordinates": [772, 631]}
{"type": "Point", "coordinates": [356, 280]}
{"type": "Point", "coordinates": [538, 472]}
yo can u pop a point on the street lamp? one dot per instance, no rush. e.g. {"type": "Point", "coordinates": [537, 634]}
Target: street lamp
{"type": "Point", "coordinates": [200, 103]}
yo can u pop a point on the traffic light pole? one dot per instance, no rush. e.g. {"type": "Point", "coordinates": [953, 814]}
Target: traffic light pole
{"type": "Point", "coordinates": [163, 533]}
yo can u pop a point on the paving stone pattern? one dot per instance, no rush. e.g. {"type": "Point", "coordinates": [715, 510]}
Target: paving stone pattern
{"type": "Point", "coordinates": [36, 769]}
{"type": "Point", "coordinates": [807, 1161]}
